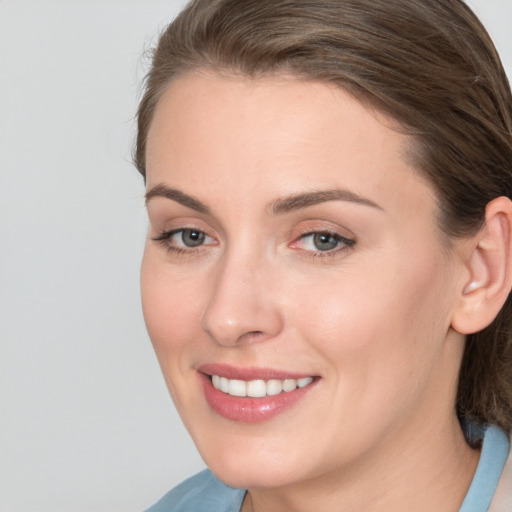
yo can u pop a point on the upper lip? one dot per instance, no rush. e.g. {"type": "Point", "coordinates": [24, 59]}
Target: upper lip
{"type": "Point", "coordinates": [250, 372]}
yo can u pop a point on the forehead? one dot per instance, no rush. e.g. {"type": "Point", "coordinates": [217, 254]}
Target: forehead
{"type": "Point", "coordinates": [271, 103]}
{"type": "Point", "coordinates": [277, 134]}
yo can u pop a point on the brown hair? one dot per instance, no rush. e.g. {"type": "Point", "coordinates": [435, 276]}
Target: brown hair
{"type": "Point", "coordinates": [430, 64]}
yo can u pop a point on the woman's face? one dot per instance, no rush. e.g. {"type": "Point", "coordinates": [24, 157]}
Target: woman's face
{"type": "Point", "coordinates": [291, 243]}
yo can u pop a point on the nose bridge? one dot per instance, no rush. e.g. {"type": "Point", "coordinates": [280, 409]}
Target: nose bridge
{"type": "Point", "coordinates": [241, 305]}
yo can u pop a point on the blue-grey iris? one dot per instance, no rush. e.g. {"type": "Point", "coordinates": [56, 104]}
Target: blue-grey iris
{"type": "Point", "coordinates": [325, 241]}
{"type": "Point", "coordinates": [192, 237]}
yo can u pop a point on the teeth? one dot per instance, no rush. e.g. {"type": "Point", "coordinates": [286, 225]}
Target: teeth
{"type": "Point", "coordinates": [302, 383]}
{"type": "Point", "coordinates": [224, 384]}
{"type": "Point", "coordinates": [274, 387]}
{"type": "Point", "coordinates": [289, 385]}
{"type": "Point", "coordinates": [237, 388]}
{"type": "Point", "coordinates": [258, 388]}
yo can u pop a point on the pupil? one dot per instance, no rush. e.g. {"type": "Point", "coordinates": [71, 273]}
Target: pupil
{"type": "Point", "coordinates": [192, 238]}
{"type": "Point", "coordinates": [325, 241]}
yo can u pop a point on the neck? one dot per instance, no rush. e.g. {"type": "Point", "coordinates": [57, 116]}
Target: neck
{"type": "Point", "coordinates": [420, 470]}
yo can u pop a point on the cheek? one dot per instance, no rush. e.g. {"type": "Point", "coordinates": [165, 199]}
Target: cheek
{"type": "Point", "coordinates": [380, 336]}
{"type": "Point", "coordinates": [172, 315]}
{"type": "Point", "coordinates": [171, 309]}
{"type": "Point", "coordinates": [383, 319]}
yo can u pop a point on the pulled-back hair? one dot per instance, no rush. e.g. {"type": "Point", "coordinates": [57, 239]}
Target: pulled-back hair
{"type": "Point", "coordinates": [429, 64]}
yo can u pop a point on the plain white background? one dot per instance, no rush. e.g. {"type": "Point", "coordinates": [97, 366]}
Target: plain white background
{"type": "Point", "coordinates": [86, 424]}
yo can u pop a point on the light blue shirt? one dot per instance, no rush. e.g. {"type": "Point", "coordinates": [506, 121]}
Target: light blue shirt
{"type": "Point", "coordinates": [495, 451]}
{"type": "Point", "coordinates": [205, 493]}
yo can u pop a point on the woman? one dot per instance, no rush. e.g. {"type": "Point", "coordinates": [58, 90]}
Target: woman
{"type": "Point", "coordinates": [327, 275]}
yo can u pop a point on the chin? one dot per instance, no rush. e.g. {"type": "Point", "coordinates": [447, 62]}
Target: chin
{"type": "Point", "coordinates": [249, 465]}
{"type": "Point", "coordinates": [243, 474]}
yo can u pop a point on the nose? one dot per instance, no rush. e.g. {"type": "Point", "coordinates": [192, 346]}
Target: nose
{"type": "Point", "coordinates": [243, 306]}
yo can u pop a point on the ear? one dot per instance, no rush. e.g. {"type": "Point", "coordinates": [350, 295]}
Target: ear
{"type": "Point", "coordinates": [489, 263]}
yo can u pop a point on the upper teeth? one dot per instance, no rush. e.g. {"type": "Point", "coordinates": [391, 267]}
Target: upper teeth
{"type": "Point", "coordinates": [258, 388]}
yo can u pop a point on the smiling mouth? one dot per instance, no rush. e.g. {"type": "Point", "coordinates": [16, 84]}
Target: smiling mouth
{"type": "Point", "coordinates": [253, 395]}
{"type": "Point", "coordinates": [258, 388]}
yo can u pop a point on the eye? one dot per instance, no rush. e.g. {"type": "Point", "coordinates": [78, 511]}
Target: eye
{"type": "Point", "coordinates": [184, 239]}
{"type": "Point", "coordinates": [323, 242]}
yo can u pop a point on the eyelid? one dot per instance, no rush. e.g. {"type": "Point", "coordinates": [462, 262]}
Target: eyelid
{"type": "Point", "coordinates": [164, 221]}
{"type": "Point", "coordinates": [163, 214]}
{"type": "Point", "coordinates": [313, 226]}
{"type": "Point", "coordinates": [346, 242]}
{"type": "Point", "coordinates": [164, 237]}
{"type": "Point", "coordinates": [334, 234]}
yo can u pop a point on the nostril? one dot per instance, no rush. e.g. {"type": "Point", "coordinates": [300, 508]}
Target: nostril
{"type": "Point", "coordinates": [251, 336]}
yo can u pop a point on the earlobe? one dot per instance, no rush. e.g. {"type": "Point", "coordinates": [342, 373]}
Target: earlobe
{"type": "Point", "coordinates": [489, 265]}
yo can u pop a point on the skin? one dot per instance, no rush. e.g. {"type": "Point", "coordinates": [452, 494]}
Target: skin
{"type": "Point", "coordinates": [371, 318]}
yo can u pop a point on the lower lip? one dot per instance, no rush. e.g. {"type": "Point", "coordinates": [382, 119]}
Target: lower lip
{"type": "Point", "coordinates": [251, 410]}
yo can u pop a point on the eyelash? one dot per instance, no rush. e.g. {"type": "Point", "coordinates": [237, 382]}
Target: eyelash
{"type": "Point", "coordinates": [165, 239]}
{"type": "Point", "coordinates": [343, 243]}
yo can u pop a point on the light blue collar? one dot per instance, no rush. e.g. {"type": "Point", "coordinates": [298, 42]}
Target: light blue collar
{"type": "Point", "coordinates": [495, 448]}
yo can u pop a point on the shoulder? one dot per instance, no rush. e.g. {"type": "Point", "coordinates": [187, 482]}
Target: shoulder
{"type": "Point", "coordinates": [201, 493]}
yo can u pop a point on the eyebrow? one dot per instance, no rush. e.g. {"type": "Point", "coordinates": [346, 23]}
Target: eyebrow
{"type": "Point", "coordinates": [178, 196]}
{"type": "Point", "coordinates": [299, 201]}
{"type": "Point", "coordinates": [280, 206]}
